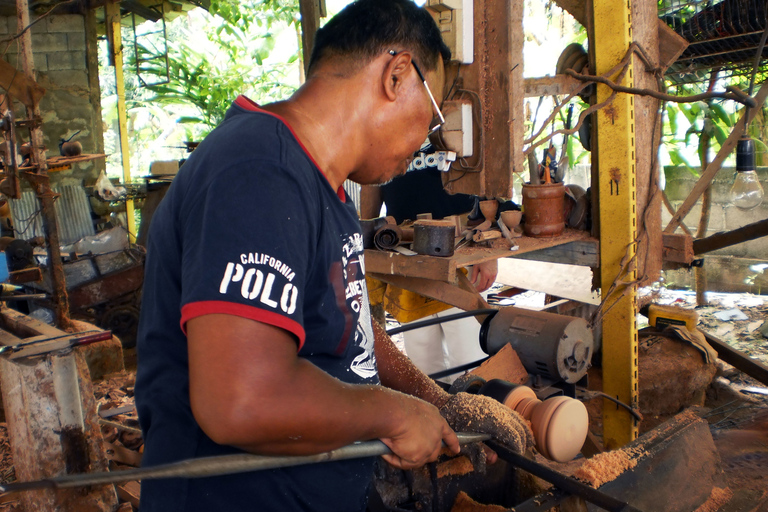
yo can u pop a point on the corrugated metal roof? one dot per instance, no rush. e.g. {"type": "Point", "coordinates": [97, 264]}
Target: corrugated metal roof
{"type": "Point", "coordinates": [73, 215]}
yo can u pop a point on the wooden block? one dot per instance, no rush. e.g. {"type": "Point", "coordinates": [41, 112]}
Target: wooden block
{"type": "Point", "coordinates": [677, 248]}
{"type": "Point", "coordinates": [130, 492]}
{"type": "Point", "coordinates": [504, 365]}
{"type": "Point", "coordinates": [671, 45]}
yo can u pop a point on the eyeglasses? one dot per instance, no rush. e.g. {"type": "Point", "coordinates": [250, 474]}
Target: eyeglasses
{"type": "Point", "coordinates": [435, 126]}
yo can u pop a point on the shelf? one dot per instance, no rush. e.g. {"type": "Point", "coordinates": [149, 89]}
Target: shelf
{"type": "Point", "coordinates": [444, 269]}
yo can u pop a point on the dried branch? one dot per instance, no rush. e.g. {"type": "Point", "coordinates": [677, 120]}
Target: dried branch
{"type": "Point", "coordinates": [731, 93]}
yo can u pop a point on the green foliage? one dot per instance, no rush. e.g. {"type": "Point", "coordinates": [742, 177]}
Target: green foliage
{"type": "Point", "coordinates": [211, 59]}
{"type": "Point", "coordinates": [209, 74]}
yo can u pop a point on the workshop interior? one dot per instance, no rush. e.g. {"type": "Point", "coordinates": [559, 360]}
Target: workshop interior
{"type": "Point", "coordinates": [637, 401]}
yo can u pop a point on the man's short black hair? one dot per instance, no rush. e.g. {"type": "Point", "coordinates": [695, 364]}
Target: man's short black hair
{"type": "Point", "coordinates": [366, 28]}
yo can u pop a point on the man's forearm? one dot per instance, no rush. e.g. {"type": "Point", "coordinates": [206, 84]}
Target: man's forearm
{"type": "Point", "coordinates": [398, 372]}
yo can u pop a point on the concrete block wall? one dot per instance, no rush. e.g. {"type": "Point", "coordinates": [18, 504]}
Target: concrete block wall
{"type": "Point", "coordinates": [723, 215]}
{"type": "Point", "coordinates": [61, 46]}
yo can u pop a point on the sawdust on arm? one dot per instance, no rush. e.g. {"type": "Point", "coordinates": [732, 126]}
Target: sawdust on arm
{"type": "Point", "coordinates": [398, 372]}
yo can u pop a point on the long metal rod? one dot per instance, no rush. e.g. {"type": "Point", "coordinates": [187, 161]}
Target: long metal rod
{"type": "Point", "coordinates": [214, 466]}
{"type": "Point", "coordinates": [559, 480]}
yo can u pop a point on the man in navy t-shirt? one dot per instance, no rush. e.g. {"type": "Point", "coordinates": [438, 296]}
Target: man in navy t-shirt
{"type": "Point", "coordinates": [255, 331]}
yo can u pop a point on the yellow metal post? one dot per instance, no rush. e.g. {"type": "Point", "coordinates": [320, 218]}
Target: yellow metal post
{"type": "Point", "coordinates": [616, 158]}
{"type": "Point", "coordinates": [116, 47]}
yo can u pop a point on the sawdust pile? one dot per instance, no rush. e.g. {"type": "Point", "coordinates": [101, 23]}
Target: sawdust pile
{"type": "Point", "coordinates": [717, 499]}
{"type": "Point", "coordinates": [464, 503]}
{"type": "Point", "coordinates": [605, 467]}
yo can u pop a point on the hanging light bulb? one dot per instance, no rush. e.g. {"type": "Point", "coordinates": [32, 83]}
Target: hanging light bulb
{"type": "Point", "coordinates": [746, 192]}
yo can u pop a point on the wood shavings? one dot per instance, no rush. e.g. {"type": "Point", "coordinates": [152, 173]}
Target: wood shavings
{"type": "Point", "coordinates": [455, 467]}
{"type": "Point", "coordinates": [606, 467]}
{"type": "Point", "coordinates": [717, 499]}
{"type": "Point", "coordinates": [464, 503]}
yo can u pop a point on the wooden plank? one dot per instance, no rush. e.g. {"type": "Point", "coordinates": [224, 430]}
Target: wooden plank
{"type": "Point", "coordinates": [558, 85]}
{"type": "Point", "coordinates": [584, 253]}
{"type": "Point", "coordinates": [444, 269]}
{"type": "Point", "coordinates": [567, 281]}
{"type": "Point", "coordinates": [393, 263]}
{"type": "Point", "coordinates": [726, 239]}
{"type": "Point", "coordinates": [671, 45]}
{"type": "Point", "coordinates": [677, 248]}
{"type": "Point", "coordinates": [444, 292]}
{"type": "Point", "coordinates": [714, 167]}
{"type": "Point", "coordinates": [130, 492]}
{"type": "Point", "coordinates": [25, 326]}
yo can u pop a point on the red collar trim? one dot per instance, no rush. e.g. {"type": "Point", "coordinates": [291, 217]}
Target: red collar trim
{"type": "Point", "coordinates": [252, 106]}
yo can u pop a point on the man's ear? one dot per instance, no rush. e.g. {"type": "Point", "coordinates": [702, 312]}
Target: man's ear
{"type": "Point", "coordinates": [395, 73]}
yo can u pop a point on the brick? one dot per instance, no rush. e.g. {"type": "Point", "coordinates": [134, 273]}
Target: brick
{"type": "Point", "coordinates": [65, 23]}
{"type": "Point", "coordinates": [66, 60]}
{"type": "Point", "coordinates": [69, 78]}
{"type": "Point", "coordinates": [49, 42]}
{"type": "Point", "coordinates": [41, 61]}
{"type": "Point", "coordinates": [76, 41]}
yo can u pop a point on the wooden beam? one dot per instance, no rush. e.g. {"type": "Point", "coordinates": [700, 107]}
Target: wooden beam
{"type": "Point", "coordinates": [712, 169]}
{"type": "Point", "coordinates": [310, 11]}
{"type": "Point", "coordinates": [726, 239]}
{"type": "Point", "coordinates": [558, 85]}
{"type": "Point", "coordinates": [496, 75]}
{"type": "Point", "coordinates": [740, 360]}
{"type": "Point", "coordinates": [438, 290]}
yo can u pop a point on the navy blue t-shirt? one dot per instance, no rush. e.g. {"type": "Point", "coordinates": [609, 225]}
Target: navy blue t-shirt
{"type": "Point", "coordinates": [250, 227]}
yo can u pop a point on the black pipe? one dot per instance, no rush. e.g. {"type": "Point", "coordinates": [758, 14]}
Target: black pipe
{"type": "Point", "coordinates": [440, 320]}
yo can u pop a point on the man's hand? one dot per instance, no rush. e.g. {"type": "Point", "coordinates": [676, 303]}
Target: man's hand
{"type": "Point", "coordinates": [421, 437]}
{"type": "Point", "coordinates": [483, 275]}
{"type": "Point", "coordinates": [484, 415]}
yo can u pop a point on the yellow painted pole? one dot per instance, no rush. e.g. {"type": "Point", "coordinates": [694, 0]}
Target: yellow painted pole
{"type": "Point", "coordinates": [616, 158]}
{"type": "Point", "coordinates": [113, 17]}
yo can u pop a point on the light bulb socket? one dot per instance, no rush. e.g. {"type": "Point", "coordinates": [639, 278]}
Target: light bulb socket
{"type": "Point", "coordinates": [745, 154]}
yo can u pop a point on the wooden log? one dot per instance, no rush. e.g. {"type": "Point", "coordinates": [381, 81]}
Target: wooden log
{"type": "Point", "coordinates": [728, 238]}
{"type": "Point", "coordinates": [53, 427]}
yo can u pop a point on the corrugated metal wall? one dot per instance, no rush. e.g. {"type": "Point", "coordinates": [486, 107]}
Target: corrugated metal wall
{"type": "Point", "coordinates": [73, 214]}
